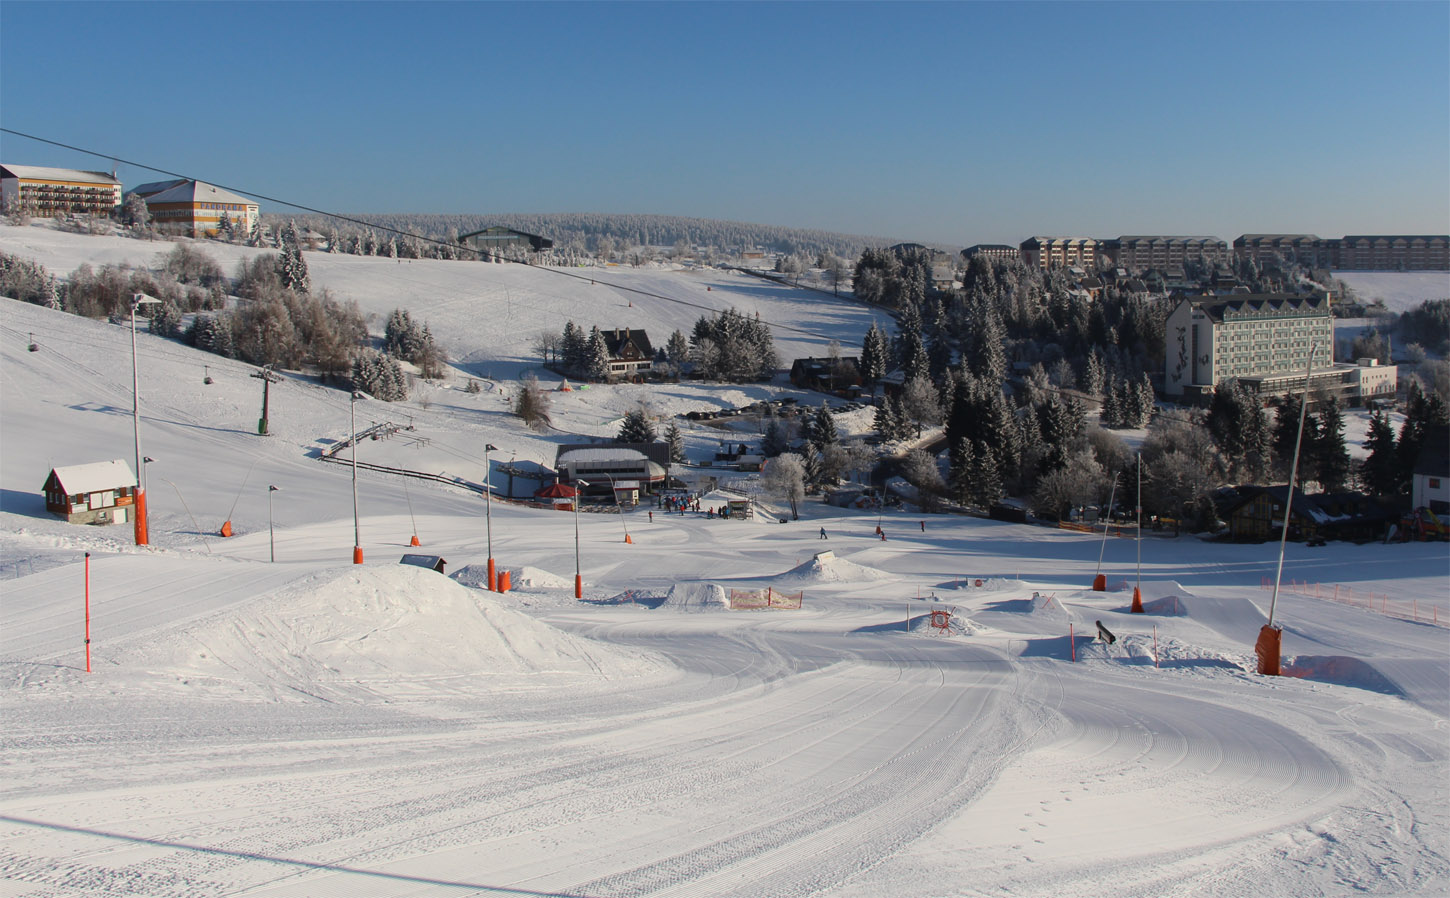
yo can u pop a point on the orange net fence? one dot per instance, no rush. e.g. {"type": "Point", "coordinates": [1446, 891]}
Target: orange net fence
{"type": "Point", "coordinates": [754, 599]}
{"type": "Point", "coordinates": [1380, 603]}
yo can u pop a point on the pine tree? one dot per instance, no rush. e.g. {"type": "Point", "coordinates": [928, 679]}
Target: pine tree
{"type": "Point", "coordinates": [775, 441]}
{"type": "Point", "coordinates": [823, 429]}
{"type": "Point", "coordinates": [873, 355]}
{"type": "Point", "coordinates": [986, 476]}
{"type": "Point", "coordinates": [960, 474]}
{"type": "Point", "coordinates": [571, 349]}
{"type": "Point", "coordinates": [636, 428]}
{"type": "Point", "coordinates": [1330, 455]}
{"type": "Point", "coordinates": [675, 439]}
{"type": "Point", "coordinates": [596, 357]}
{"type": "Point", "coordinates": [888, 419]}
{"type": "Point", "coordinates": [1381, 471]}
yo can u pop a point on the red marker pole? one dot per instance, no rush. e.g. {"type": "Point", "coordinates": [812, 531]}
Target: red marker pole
{"type": "Point", "coordinates": [88, 612]}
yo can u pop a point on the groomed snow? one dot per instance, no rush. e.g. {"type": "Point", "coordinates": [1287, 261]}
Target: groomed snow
{"type": "Point", "coordinates": [309, 727]}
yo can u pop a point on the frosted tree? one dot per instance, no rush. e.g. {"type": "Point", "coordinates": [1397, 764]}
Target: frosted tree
{"type": "Point", "coordinates": [675, 439]}
{"type": "Point", "coordinates": [785, 477]}
{"type": "Point", "coordinates": [596, 357]}
{"type": "Point", "coordinates": [636, 428]}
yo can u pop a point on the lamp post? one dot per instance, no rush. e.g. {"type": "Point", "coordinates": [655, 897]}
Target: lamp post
{"type": "Point", "coordinates": [139, 508]}
{"type": "Point", "coordinates": [488, 512]}
{"type": "Point", "coordinates": [271, 534]}
{"type": "Point", "coordinates": [357, 553]}
{"type": "Point", "coordinates": [578, 571]}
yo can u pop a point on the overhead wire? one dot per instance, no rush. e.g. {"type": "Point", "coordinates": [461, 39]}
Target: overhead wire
{"type": "Point", "coordinates": [380, 227]}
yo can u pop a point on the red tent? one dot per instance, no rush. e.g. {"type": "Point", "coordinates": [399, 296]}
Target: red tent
{"type": "Point", "coordinates": [557, 491]}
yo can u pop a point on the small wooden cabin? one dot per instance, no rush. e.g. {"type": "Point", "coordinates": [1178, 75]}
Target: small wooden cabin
{"type": "Point", "coordinates": [98, 493]}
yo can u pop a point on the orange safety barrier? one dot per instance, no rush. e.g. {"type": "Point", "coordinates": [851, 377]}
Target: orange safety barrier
{"type": "Point", "coordinates": [1380, 603]}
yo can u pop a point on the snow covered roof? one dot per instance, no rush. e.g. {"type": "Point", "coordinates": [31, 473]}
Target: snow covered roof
{"type": "Point", "coordinates": [603, 454]}
{"type": "Point", "coordinates": [94, 477]}
{"type": "Point", "coordinates": [151, 188]}
{"type": "Point", "coordinates": [39, 173]}
{"type": "Point", "coordinates": [198, 192]}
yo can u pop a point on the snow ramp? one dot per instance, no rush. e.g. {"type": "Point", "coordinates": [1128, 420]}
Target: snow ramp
{"type": "Point", "coordinates": [827, 567]}
{"type": "Point", "coordinates": [696, 597]}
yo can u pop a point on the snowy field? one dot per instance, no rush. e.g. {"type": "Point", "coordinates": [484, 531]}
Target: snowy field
{"type": "Point", "coordinates": [310, 727]}
{"type": "Point", "coordinates": [1400, 290]}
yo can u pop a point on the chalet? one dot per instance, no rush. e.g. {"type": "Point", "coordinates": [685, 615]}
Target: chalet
{"type": "Point", "coordinates": [630, 352]}
{"type": "Point", "coordinates": [826, 375]}
{"type": "Point", "coordinates": [1258, 514]}
{"type": "Point", "coordinates": [98, 493]}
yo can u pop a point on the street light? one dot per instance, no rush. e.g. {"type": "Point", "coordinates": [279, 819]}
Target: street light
{"type": "Point", "coordinates": [138, 300]}
{"type": "Point", "coordinates": [271, 535]}
{"type": "Point", "coordinates": [578, 572]}
{"type": "Point", "coordinates": [357, 553]}
{"type": "Point", "coordinates": [488, 511]}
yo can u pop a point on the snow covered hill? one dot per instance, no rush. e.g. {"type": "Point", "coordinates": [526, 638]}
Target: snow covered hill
{"type": "Point", "coordinates": [308, 726]}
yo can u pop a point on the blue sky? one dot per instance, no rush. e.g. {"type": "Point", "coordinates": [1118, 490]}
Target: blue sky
{"type": "Point", "coordinates": [955, 123]}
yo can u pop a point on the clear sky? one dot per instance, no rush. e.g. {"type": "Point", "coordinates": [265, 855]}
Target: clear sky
{"type": "Point", "coordinates": [955, 123]}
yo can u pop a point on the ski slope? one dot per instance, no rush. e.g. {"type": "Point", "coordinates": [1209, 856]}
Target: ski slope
{"type": "Point", "coordinates": [308, 727]}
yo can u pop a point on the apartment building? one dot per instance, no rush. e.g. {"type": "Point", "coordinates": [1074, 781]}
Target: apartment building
{"type": "Point", "coordinates": [1268, 339]}
{"type": "Point", "coordinates": [1424, 252]}
{"type": "Point", "coordinates": [1142, 253]}
{"type": "Point", "coordinates": [1057, 252]}
{"type": "Point", "coordinates": [51, 192]}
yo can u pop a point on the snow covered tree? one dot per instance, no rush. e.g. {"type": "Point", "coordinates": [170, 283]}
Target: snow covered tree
{"type": "Point", "coordinates": [532, 404]}
{"type": "Point", "coordinates": [874, 352]}
{"type": "Point", "coordinates": [823, 431]}
{"type": "Point", "coordinates": [775, 440]}
{"type": "Point", "coordinates": [596, 357]}
{"type": "Point", "coordinates": [293, 268]}
{"type": "Point", "coordinates": [380, 376]}
{"type": "Point", "coordinates": [636, 428]}
{"type": "Point", "coordinates": [919, 404]}
{"type": "Point", "coordinates": [1331, 458]}
{"type": "Point", "coordinates": [785, 476]}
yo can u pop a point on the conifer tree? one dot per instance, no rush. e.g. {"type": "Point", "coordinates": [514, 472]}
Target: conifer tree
{"type": "Point", "coordinates": [596, 357]}
{"type": "Point", "coordinates": [675, 439]}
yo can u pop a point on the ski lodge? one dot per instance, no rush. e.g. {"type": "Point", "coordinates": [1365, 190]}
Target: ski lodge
{"type": "Point", "coordinates": [98, 493]}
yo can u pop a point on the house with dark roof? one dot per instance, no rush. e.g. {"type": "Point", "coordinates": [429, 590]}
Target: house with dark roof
{"type": "Point", "coordinates": [826, 375]}
{"type": "Point", "coordinates": [498, 240]}
{"type": "Point", "coordinates": [630, 352]}
{"type": "Point", "coordinates": [1258, 514]}
{"type": "Point", "coordinates": [603, 468]}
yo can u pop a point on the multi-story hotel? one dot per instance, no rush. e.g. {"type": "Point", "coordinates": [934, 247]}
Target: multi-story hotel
{"type": "Point", "coordinates": [1306, 249]}
{"type": "Point", "coordinates": [1246, 337]}
{"type": "Point", "coordinates": [49, 192]}
{"type": "Point", "coordinates": [195, 208]}
{"type": "Point", "coordinates": [1141, 253]}
{"type": "Point", "coordinates": [1054, 252]}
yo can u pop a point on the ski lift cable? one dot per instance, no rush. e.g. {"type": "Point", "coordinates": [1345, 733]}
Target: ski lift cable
{"type": "Point", "coordinates": [386, 228]}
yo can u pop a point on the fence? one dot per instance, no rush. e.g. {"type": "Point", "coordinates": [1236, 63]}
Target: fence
{"type": "Point", "coordinates": [754, 599]}
{"type": "Point", "coordinates": [1380, 603]}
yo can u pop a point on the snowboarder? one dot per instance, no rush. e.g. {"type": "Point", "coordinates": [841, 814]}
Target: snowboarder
{"type": "Point", "coordinates": [1104, 634]}
{"type": "Point", "coordinates": [823, 533]}
{"type": "Point", "coordinates": [923, 526]}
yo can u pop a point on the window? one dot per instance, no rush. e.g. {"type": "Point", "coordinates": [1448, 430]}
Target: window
{"type": "Point", "coordinates": [1434, 483]}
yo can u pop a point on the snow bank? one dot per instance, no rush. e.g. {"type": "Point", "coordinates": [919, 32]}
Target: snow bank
{"type": "Point", "coordinates": [1341, 670]}
{"type": "Point", "coordinates": [388, 631]}
{"type": "Point", "coordinates": [476, 576]}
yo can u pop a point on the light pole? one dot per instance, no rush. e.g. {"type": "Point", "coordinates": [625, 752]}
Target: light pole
{"type": "Point", "coordinates": [488, 512]}
{"type": "Point", "coordinates": [139, 508]}
{"type": "Point", "coordinates": [578, 571]}
{"type": "Point", "coordinates": [357, 553]}
{"type": "Point", "coordinates": [271, 534]}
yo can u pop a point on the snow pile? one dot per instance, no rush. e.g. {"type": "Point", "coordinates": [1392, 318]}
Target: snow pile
{"type": "Point", "coordinates": [825, 567]}
{"type": "Point", "coordinates": [391, 631]}
{"type": "Point", "coordinates": [696, 597]}
{"type": "Point", "coordinates": [994, 584]}
{"type": "Point", "coordinates": [1049, 606]}
{"type": "Point", "coordinates": [476, 576]}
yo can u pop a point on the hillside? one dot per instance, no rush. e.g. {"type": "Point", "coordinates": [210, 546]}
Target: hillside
{"type": "Point", "coordinates": [307, 726]}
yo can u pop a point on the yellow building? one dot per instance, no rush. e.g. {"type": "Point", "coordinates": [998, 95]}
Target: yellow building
{"type": "Point", "coordinates": [50, 192]}
{"type": "Point", "coordinates": [195, 208]}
